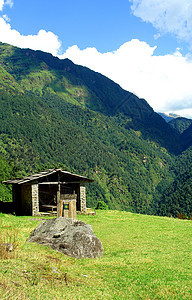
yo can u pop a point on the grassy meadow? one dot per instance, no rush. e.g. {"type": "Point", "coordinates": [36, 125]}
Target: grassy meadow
{"type": "Point", "coordinates": [145, 257]}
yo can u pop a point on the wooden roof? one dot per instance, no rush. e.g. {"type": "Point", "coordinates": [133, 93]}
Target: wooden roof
{"type": "Point", "coordinates": [40, 175]}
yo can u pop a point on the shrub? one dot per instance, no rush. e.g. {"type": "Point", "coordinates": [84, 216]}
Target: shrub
{"type": "Point", "coordinates": [181, 216]}
{"type": "Point", "coordinates": [102, 205]}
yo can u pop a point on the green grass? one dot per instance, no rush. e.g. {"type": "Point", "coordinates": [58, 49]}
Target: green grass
{"type": "Point", "coordinates": [145, 257]}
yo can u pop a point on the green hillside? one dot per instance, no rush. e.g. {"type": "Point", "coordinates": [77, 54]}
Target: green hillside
{"type": "Point", "coordinates": [174, 193]}
{"type": "Point", "coordinates": [55, 113]}
{"type": "Point", "coordinates": [44, 75]}
{"type": "Point", "coordinates": [176, 201]}
{"type": "Point", "coordinates": [125, 167]}
{"type": "Point", "coordinates": [180, 124]}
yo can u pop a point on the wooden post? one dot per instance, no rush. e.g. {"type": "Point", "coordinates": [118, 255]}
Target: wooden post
{"type": "Point", "coordinates": [61, 208]}
{"type": "Point", "coordinates": [70, 212]}
{"type": "Point", "coordinates": [72, 209]}
{"type": "Point", "coordinates": [58, 199]}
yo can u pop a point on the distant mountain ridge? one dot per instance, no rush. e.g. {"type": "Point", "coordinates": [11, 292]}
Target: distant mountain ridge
{"type": "Point", "coordinates": [168, 117]}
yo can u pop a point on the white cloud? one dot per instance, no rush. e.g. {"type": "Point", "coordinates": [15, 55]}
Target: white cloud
{"type": "Point", "coordinates": [185, 112]}
{"type": "Point", "coordinates": [1, 4]}
{"type": "Point", "coordinates": [6, 18]}
{"type": "Point", "coordinates": [174, 16]}
{"type": "Point", "coordinates": [44, 40]}
{"type": "Point", "coordinates": [164, 81]}
{"type": "Point", "coordinates": [7, 2]}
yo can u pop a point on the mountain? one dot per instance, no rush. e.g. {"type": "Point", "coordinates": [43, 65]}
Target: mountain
{"type": "Point", "coordinates": [180, 124]}
{"type": "Point", "coordinates": [25, 70]}
{"type": "Point", "coordinates": [186, 138]}
{"type": "Point", "coordinates": [168, 117]}
{"type": "Point", "coordinates": [175, 192]}
{"type": "Point", "coordinates": [55, 113]}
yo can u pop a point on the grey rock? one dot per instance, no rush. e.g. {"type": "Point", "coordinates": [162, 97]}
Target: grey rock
{"type": "Point", "coordinates": [71, 237]}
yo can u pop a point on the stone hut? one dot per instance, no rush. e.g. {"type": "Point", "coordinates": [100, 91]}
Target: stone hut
{"type": "Point", "coordinates": [45, 191]}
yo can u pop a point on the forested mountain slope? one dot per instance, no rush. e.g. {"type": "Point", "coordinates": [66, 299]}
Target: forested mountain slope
{"type": "Point", "coordinates": [55, 113]}
{"type": "Point", "coordinates": [174, 193]}
{"type": "Point", "coordinates": [180, 124]}
{"type": "Point", "coordinates": [186, 138]}
{"type": "Point", "coordinates": [35, 134]}
{"type": "Point", "coordinates": [25, 70]}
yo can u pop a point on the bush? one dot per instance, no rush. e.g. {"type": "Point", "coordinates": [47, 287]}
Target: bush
{"type": "Point", "coordinates": [102, 205]}
{"type": "Point", "coordinates": [181, 216]}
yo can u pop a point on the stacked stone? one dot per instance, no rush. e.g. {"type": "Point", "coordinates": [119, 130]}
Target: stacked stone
{"type": "Point", "coordinates": [35, 199]}
{"type": "Point", "coordinates": [83, 199]}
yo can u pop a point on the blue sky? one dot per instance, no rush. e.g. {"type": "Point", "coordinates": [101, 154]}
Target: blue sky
{"type": "Point", "coordinates": [144, 45]}
{"type": "Point", "coordinates": [105, 25]}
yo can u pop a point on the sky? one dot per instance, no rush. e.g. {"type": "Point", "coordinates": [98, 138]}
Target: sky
{"type": "Point", "coordinates": [143, 45]}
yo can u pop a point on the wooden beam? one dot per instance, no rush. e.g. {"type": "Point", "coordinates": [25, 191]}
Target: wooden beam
{"type": "Point", "coordinates": [58, 199]}
{"type": "Point", "coordinates": [61, 208]}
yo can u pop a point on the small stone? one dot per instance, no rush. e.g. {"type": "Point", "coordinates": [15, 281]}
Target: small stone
{"type": "Point", "coordinates": [54, 270]}
{"type": "Point", "coordinates": [7, 246]}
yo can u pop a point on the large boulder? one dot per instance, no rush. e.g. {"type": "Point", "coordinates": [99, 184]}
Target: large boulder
{"type": "Point", "coordinates": [71, 237]}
